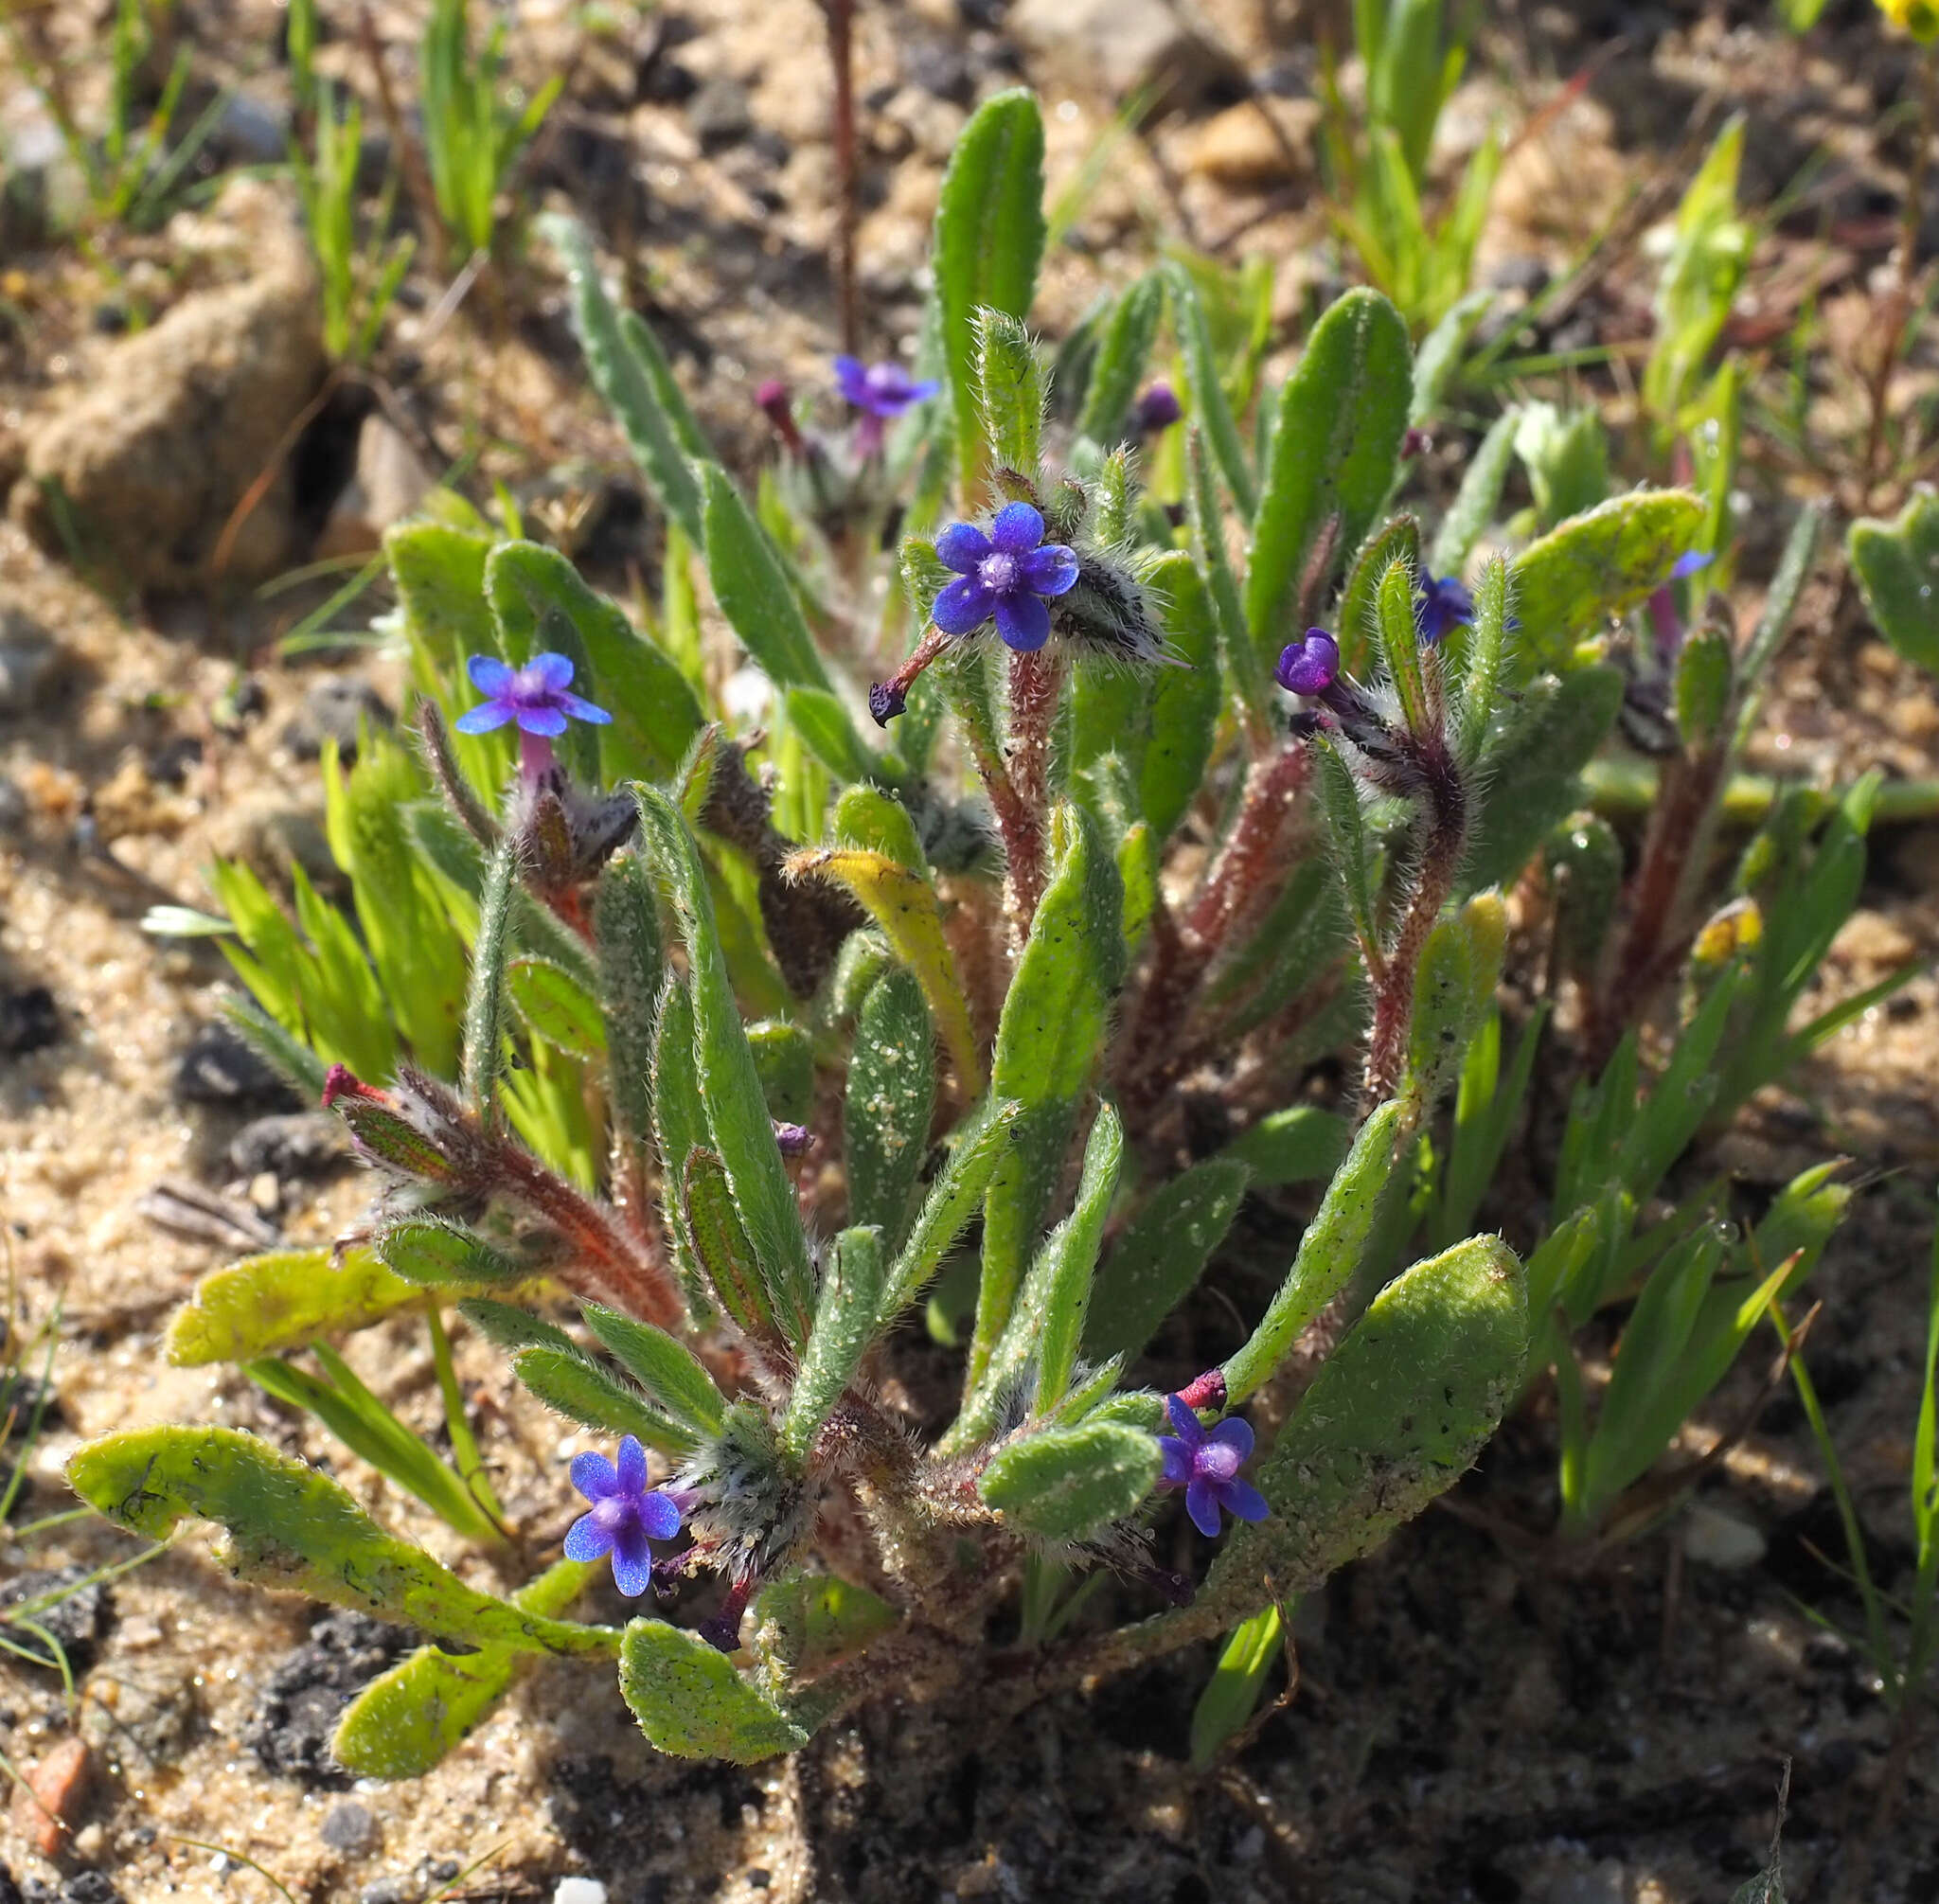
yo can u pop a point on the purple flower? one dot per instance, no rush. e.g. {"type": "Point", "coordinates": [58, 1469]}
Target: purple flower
{"type": "Point", "coordinates": [880, 390]}
{"type": "Point", "coordinates": [626, 1515]}
{"type": "Point", "coordinates": [1311, 665]}
{"type": "Point", "coordinates": [537, 696]}
{"type": "Point", "coordinates": [1157, 409]}
{"type": "Point", "coordinates": [1005, 574]}
{"type": "Point", "coordinates": [1207, 1467]}
{"type": "Point", "coordinates": [1691, 564]}
{"type": "Point", "coordinates": [1440, 606]}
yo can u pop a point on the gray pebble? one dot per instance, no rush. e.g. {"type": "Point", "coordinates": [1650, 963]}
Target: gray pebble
{"type": "Point", "coordinates": [351, 1827]}
{"type": "Point", "coordinates": [333, 710]}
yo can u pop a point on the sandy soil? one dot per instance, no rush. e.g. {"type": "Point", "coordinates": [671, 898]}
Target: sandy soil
{"type": "Point", "coordinates": [1473, 1720]}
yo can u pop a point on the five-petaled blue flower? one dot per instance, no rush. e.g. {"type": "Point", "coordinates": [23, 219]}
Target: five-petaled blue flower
{"type": "Point", "coordinates": [883, 390]}
{"type": "Point", "coordinates": [1441, 605]}
{"type": "Point", "coordinates": [1309, 665]}
{"type": "Point", "coordinates": [1005, 574]}
{"type": "Point", "coordinates": [626, 1516]}
{"type": "Point", "coordinates": [1206, 1466]}
{"type": "Point", "coordinates": [537, 696]}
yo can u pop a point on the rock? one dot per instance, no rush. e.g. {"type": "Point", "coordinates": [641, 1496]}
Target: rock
{"type": "Point", "coordinates": [77, 1623]}
{"type": "Point", "coordinates": [154, 451]}
{"type": "Point", "coordinates": [9, 1891]}
{"type": "Point", "coordinates": [220, 1068]}
{"type": "Point", "coordinates": [1115, 47]}
{"type": "Point", "coordinates": [1720, 1539]}
{"type": "Point", "coordinates": [29, 1020]}
{"type": "Point", "coordinates": [939, 66]}
{"type": "Point", "coordinates": [1239, 149]}
{"type": "Point", "coordinates": [89, 1887]}
{"type": "Point", "coordinates": [579, 1890]}
{"type": "Point", "coordinates": [351, 1827]}
{"type": "Point", "coordinates": [295, 1145]}
{"type": "Point", "coordinates": [391, 1890]}
{"type": "Point", "coordinates": [23, 1400]}
{"type": "Point", "coordinates": [291, 1729]}
{"type": "Point", "coordinates": [249, 132]}
{"type": "Point", "coordinates": [334, 709]}
{"type": "Point", "coordinates": [48, 1799]}
{"type": "Point", "coordinates": [719, 115]}
{"type": "Point", "coordinates": [388, 483]}
{"type": "Point", "coordinates": [28, 663]}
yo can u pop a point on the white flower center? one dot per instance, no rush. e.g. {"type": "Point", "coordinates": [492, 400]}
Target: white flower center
{"type": "Point", "coordinates": [998, 572]}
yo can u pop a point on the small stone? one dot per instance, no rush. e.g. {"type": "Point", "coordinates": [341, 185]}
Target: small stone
{"type": "Point", "coordinates": [1720, 1539]}
{"type": "Point", "coordinates": [939, 66]}
{"type": "Point", "coordinates": [9, 1891]}
{"type": "Point", "coordinates": [334, 709]}
{"type": "Point", "coordinates": [77, 1623]}
{"type": "Point", "coordinates": [294, 1721]}
{"type": "Point", "coordinates": [219, 1068]}
{"type": "Point", "coordinates": [250, 131]}
{"type": "Point", "coordinates": [47, 1802]}
{"type": "Point", "coordinates": [1116, 46]}
{"type": "Point", "coordinates": [718, 114]}
{"type": "Point", "coordinates": [265, 1194]}
{"type": "Point", "coordinates": [298, 1144]}
{"type": "Point", "coordinates": [579, 1890]}
{"type": "Point", "coordinates": [390, 1891]}
{"type": "Point", "coordinates": [28, 663]}
{"type": "Point", "coordinates": [442, 1870]}
{"type": "Point", "coordinates": [29, 1020]}
{"type": "Point", "coordinates": [351, 1827]}
{"type": "Point", "coordinates": [89, 1887]}
{"type": "Point", "coordinates": [1239, 149]}
{"type": "Point", "coordinates": [388, 483]}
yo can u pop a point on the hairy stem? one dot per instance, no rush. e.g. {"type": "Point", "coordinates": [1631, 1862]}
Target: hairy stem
{"type": "Point", "coordinates": [1035, 684]}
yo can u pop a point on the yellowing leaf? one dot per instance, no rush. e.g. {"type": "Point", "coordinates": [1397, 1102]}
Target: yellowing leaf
{"type": "Point", "coordinates": [904, 905]}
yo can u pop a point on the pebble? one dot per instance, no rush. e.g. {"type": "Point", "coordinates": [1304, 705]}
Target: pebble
{"type": "Point", "coordinates": [334, 709]}
{"type": "Point", "coordinates": [29, 1020]}
{"type": "Point", "coordinates": [1115, 47]}
{"type": "Point", "coordinates": [579, 1890]}
{"type": "Point", "coordinates": [77, 1624]}
{"type": "Point", "coordinates": [28, 663]}
{"type": "Point", "coordinates": [390, 1891]}
{"type": "Point", "coordinates": [219, 1068]}
{"type": "Point", "coordinates": [718, 114]}
{"type": "Point", "coordinates": [1237, 149]}
{"type": "Point", "coordinates": [45, 1806]}
{"type": "Point", "coordinates": [295, 1143]}
{"type": "Point", "coordinates": [292, 1726]}
{"type": "Point", "coordinates": [1720, 1539]}
{"type": "Point", "coordinates": [351, 1827]}
{"type": "Point", "coordinates": [89, 1887]}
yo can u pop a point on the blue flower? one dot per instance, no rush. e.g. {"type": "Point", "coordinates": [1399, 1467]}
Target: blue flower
{"type": "Point", "coordinates": [537, 696]}
{"type": "Point", "coordinates": [1308, 666]}
{"type": "Point", "coordinates": [1440, 606]}
{"type": "Point", "coordinates": [626, 1516]}
{"type": "Point", "coordinates": [880, 390]}
{"type": "Point", "coordinates": [1206, 1466]}
{"type": "Point", "coordinates": [1005, 573]}
{"type": "Point", "coordinates": [1693, 562]}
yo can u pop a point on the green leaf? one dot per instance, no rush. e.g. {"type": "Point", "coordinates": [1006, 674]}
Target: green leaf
{"type": "Point", "coordinates": [1567, 457]}
{"type": "Point", "coordinates": [990, 233]}
{"type": "Point", "coordinates": [557, 1007]}
{"type": "Point", "coordinates": [1346, 828]}
{"type": "Point", "coordinates": [541, 602]}
{"type": "Point", "coordinates": [1160, 1255]}
{"type": "Point", "coordinates": [680, 1120]}
{"type": "Point", "coordinates": [636, 382]}
{"type": "Point", "coordinates": [889, 1101]}
{"type": "Point", "coordinates": [670, 1373]}
{"type": "Point", "coordinates": [976, 1146]}
{"type": "Point", "coordinates": [819, 1620]}
{"type": "Point", "coordinates": [830, 735]}
{"type": "Point", "coordinates": [1394, 1418]}
{"type": "Point", "coordinates": [1487, 653]}
{"type": "Point", "coordinates": [1439, 356]}
{"type": "Point", "coordinates": [691, 1703]}
{"type": "Point", "coordinates": [1186, 698]}
{"type": "Point", "coordinates": [1569, 583]}
{"type": "Point", "coordinates": [1328, 1252]}
{"type": "Point", "coordinates": [1342, 415]}
{"type": "Point", "coordinates": [1703, 683]}
{"type": "Point", "coordinates": [784, 1057]}
{"type": "Point", "coordinates": [1357, 621]}
{"type": "Point", "coordinates": [571, 1383]}
{"type": "Point", "coordinates": [1012, 390]}
{"type": "Point", "coordinates": [755, 593]}
{"type": "Point", "coordinates": [1478, 498]}
{"type": "Point", "coordinates": [409, 1719]}
{"type": "Point", "coordinates": [1532, 771]}
{"type": "Point", "coordinates": [1055, 1014]}
{"type": "Point", "coordinates": [1897, 565]}
{"type": "Point", "coordinates": [631, 961]}
{"type": "Point", "coordinates": [1068, 1484]}
{"type": "Point", "coordinates": [444, 1254]}
{"type": "Point", "coordinates": [1401, 646]}
{"type": "Point", "coordinates": [844, 1324]}
{"type": "Point", "coordinates": [736, 1107]}
{"type": "Point", "coordinates": [1209, 407]}
{"type": "Point", "coordinates": [1123, 350]}
{"type": "Point", "coordinates": [1291, 1147]}
{"type": "Point", "coordinates": [1232, 1693]}
{"type": "Point", "coordinates": [281, 1300]}
{"type": "Point", "coordinates": [293, 1529]}
{"type": "Point", "coordinates": [720, 1245]}
{"type": "Point", "coordinates": [485, 1005]}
